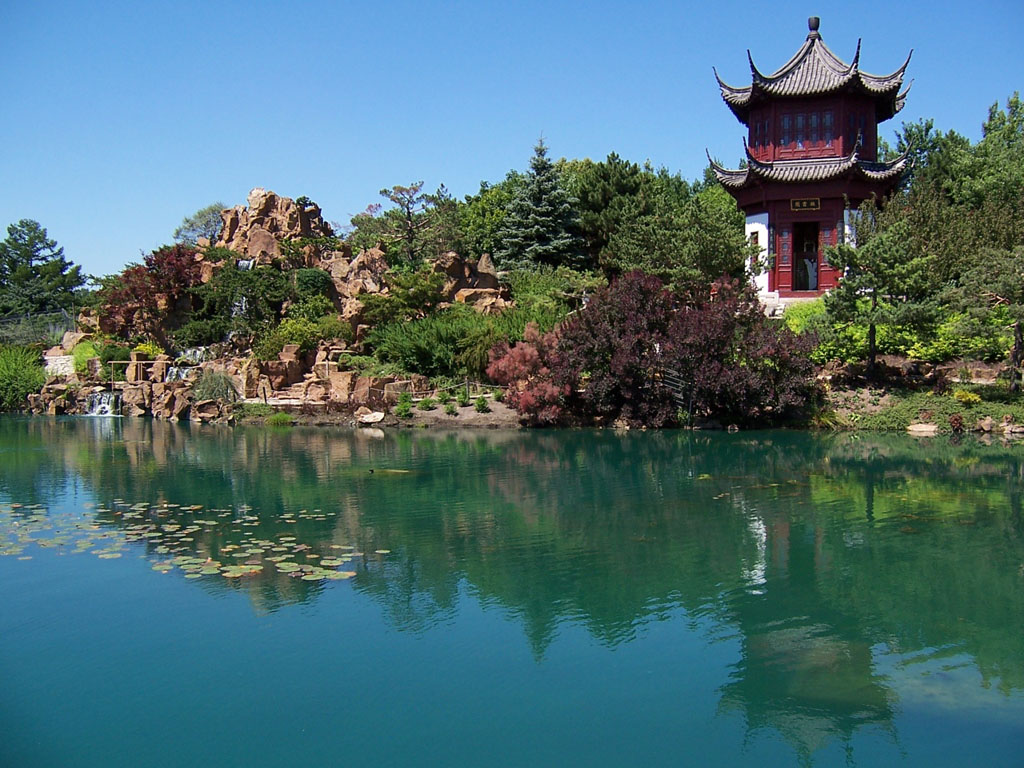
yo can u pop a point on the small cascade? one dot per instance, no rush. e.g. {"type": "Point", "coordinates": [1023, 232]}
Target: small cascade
{"type": "Point", "coordinates": [177, 373]}
{"type": "Point", "coordinates": [103, 404]}
{"type": "Point", "coordinates": [194, 355]}
{"type": "Point", "coordinates": [244, 265]}
{"type": "Point", "coordinates": [240, 307]}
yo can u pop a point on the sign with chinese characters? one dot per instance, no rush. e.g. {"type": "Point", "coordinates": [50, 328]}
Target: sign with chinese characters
{"type": "Point", "coordinates": [805, 204]}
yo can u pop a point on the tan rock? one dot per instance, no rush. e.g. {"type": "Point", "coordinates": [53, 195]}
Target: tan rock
{"type": "Point", "coordinates": [281, 374]}
{"type": "Point", "coordinates": [71, 339]}
{"type": "Point", "coordinates": [369, 389]}
{"type": "Point", "coordinates": [316, 392]}
{"type": "Point", "coordinates": [487, 273]}
{"type": "Point", "coordinates": [290, 352]}
{"type": "Point", "coordinates": [986, 424]}
{"type": "Point", "coordinates": [205, 410]}
{"type": "Point", "coordinates": [341, 385]}
{"type": "Point", "coordinates": [923, 430]}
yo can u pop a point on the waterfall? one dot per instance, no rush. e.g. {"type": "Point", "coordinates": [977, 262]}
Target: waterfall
{"type": "Point", "coordinates": [194, 355]}
{"type": "Point", "coordinates": [240, 307]}
{"type": "Point", "coordinates": [177, 373]}
{"type": "Point", "coordinates": [103, 404]}
{"type": "Point", "coordinates": [244, 265]}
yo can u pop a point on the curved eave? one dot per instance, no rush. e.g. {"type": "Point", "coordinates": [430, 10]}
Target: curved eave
{"type": "Point", "coordinates": [738, 99]}
{"type": "Point", "coordinates": [814, 70]}
{"type": "Point", "coordinates": [809, 171]}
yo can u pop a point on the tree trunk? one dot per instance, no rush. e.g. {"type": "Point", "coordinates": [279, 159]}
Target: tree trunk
{"type": "Point", "coordinates": [1016, 356]}
{"type": "Point", "coordinates": [872, 348]}
{"type": "Point", "coordinates": [872, 351]}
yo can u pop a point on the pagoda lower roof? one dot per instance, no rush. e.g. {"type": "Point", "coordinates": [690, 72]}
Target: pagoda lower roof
{"type": "Point", "coordinates": [809, 170]}
{"type": "Point", "coordinates": [814, 70]}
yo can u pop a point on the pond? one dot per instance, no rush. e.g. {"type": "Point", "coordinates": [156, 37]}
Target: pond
{"type": "Point", "coordinates": [174, 596]}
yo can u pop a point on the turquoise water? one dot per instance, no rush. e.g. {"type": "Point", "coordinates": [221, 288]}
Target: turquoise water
{"type": "Point", "coordinates": [176, 596]}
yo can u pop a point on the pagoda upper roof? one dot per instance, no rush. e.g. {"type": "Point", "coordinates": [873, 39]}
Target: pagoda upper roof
{"type": "Point", "coordinates": [815, 70]}
{"type": "Point", "coordinates": [812, 170]}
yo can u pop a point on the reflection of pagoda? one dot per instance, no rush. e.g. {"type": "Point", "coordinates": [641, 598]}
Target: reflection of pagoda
{"type": "Point", "coordinates": [806, 671]}
{"type": "Point", "coordinates": [812, 145]}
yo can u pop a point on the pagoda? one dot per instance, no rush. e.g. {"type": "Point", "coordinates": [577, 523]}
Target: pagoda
{"type": "Point", "coordinates": [811, 157]}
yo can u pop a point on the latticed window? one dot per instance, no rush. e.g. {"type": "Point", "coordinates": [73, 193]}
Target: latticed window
{"type": "Point", "coordinates": [827, 126]}
{"type": "Point", "coordinates": [814, 128]}
{"type": "Point", "coordinates": [785, 130]}
{"type": "Point", "coordinates": [800, 131]}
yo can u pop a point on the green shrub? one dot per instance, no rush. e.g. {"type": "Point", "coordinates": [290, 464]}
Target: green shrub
{"type": "Point", "coordinates": [481, 405]}
{"type": "Point", "coordinates": [456, 342]}
{"type": "Point", "coordinates": [279, 419]}
{"type": "Point", "coordinates": [215, 385]}
{"type": "Point", "coordinates": [291, 331]}
{"type": "Point", "coordinates": [331, 327]}
{"type": "Point", "coordinates": [805, 316]}
{"type": "Point", "coordinates": [367, 365]}
{"type": "Point", "coordinates": [149, 348]}
{"type": "Point", "coordinates": [202, 333]}
{"type": "Point", "coordinates": [311, 308]}
{"type": "Point", "coordinates": [311, 283]}
{"type": "Point", "coordinates": [444, 397]}
{"type": "Point", "coordinates": [21, 374]}
{"type": "Point", "coordinates": [83, 352]}
{"type": "Point", "coordinates": [112, 351]}
{"type": "Point", "coordinates": [253, 410]}
{"type": "Point", "coordinates": [403, 409]}
{"type": "Point", "coordinates": [462, 398]}
{"type": "Point", "coordinates": [966, 397]}
{"type": "Point", "coordinates": [498, 393]}
{"type": "Point", "coordinates": [427, 404]}
{"type": "Point", "coordinates": [451, 409]}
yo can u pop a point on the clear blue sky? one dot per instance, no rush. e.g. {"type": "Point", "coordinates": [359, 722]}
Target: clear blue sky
{"type": "Point", "coordinates": [118, 119]}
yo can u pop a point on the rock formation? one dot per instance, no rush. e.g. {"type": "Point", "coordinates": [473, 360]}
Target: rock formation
{"type": "Point", "coordinates": [256, 230]}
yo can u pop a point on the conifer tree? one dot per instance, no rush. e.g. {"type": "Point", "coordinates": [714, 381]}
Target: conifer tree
{"type": "Point", "coordinates": [540, 226]}
{"type": "Point", "coordinates": [34, 275]}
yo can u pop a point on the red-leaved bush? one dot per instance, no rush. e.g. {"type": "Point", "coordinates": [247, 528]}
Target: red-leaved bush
{"type": "Point", "coordinates": [525, 368]}
{"type": "Point", "coordinates": [735, 364]}
{"type": "Point", "coordinates": [613, 349]}
{"type": "Point", "coordinates": [613, 360]}
{"type": "Point", "coordinates": [142, 298]}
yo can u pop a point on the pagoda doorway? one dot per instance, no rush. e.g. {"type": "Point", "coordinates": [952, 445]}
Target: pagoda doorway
{"type": "Point", "coordinates": [805, 240]}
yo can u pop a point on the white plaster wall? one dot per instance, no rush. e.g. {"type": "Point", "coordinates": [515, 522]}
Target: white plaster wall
{"type": "Point", "coordinates": [758, 223]}
{"type": "Point", "coordinates": [848, 222]}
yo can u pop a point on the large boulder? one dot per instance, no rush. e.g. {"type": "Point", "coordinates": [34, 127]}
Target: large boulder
{"type": "Point", "coordinates": [461, 273]}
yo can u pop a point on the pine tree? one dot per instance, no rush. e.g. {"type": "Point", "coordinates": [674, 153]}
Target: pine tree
{"type": "Point", "coordinates": [541, 221]}
{"type": "Point", "coordinates": [34, 275]}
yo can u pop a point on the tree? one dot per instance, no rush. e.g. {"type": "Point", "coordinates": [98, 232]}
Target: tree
{"type": "Point", "coordinates": [884, 280]}
{"type": "Point", "coordinates": [34, 275]}
{"type": "Point", "coordinates": [610, 193]}
{"type": "Point", "coordinates": [419, 225]}
{"type": "Point", "coordinates": [540, 221]}
{"type": "Point", "coordinates": [687, 241]}
{"type": "Point", "coordinates": [206, 222]}
{"type": "Point", "coordinates": [149, 298]}
{"type": "Point", "coordinates": [992, 289]}
{"type": "Point", "coordinates": [482, 215]}
{"type": "Point", "coordinates": [608, 353]}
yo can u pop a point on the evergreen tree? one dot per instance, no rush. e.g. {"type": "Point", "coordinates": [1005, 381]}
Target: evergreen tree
{"type": "Point", "coordinates": [884, 283]}
{"type": "Point", "coordinates": [541, 222]}
{"type": "Point", "coordinates": [34, 275]}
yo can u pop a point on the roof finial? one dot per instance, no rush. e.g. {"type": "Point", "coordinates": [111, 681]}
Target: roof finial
{"type": "Point", "coordinates": [812, 24]}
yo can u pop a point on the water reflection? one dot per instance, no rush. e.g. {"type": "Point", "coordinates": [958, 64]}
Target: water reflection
{"type": "Point", "coordinates": [824, 554]}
